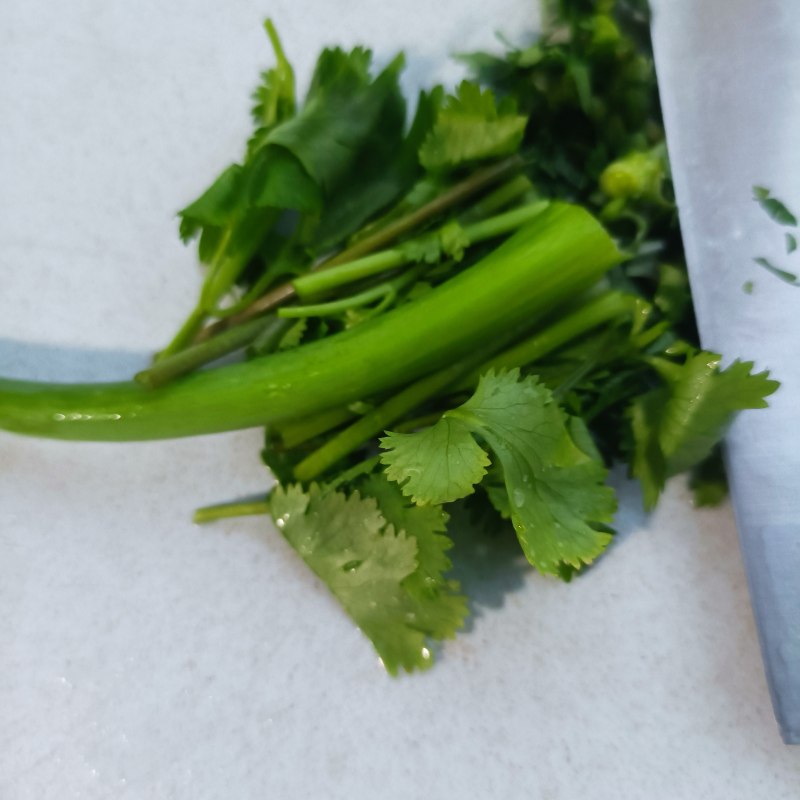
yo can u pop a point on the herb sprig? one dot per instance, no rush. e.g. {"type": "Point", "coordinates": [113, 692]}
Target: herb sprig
{"type": "Point", "coordinates": [487, 305]}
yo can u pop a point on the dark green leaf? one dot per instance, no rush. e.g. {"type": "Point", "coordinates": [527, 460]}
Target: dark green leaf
{"type": "Point", "coordinates": [385, 170]}
{"type": "Point", "coordinates": [784, 275]}
{"type": "Point", "coordinates": [774, 207]}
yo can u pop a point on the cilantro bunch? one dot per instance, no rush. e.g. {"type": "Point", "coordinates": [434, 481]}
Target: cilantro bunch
{"type": "Point", "coordinates": [473, 312]}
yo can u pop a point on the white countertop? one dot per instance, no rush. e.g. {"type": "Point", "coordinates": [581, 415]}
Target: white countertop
{"type": "Point", "coordinates": [143, 657]}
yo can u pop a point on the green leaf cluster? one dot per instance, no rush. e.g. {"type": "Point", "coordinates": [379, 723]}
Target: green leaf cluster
{"type": "Point", "coordinates": [480, 310]}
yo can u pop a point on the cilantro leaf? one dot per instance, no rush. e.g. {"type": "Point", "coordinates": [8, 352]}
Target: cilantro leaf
{"type": "Point", "coordinates": [555, 488]}
{"type": "Point", "coordinates": [436, 465]}
{"type": "Point", "coordinates": [427, 524]}
{"type": "Point", "coordinates": [366, 563]}
{"type": "Point", "coordinates": [386, 168]}
{"type": "Point", "coordinates": [471, 127]}
{"type": "Point", "coordinates": [344, 109]}
{"type": "Point", "coordinates": [298, 161]}
{"type": "Point", "coordinates": [274, 98]}
{"type": "Point", "coordinates": [702, 402]}
{"type": "Point", "coordinates": [678, 425]}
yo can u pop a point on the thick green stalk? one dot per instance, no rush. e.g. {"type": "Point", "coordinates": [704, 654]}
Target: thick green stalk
{"type": "Point", "coordinates": [559, 255]}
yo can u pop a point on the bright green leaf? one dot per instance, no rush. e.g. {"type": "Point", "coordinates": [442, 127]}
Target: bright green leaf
{"type": "Point", "coordinates": [435, 465]}
{"type": "Point", "coordinates": [678, 426]}
{"type": "Point", "coordinates": [471, 127]}
{"type": "Point", "coordinates": [702, 403]}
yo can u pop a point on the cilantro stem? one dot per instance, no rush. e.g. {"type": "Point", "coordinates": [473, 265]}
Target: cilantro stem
{"type": "Point", "coordinates": [362, 468]}
{"type": "Point", "coordinates": [185, 334]}
{"type": "Point", "coordinates": [269, 338]}
{"type": "Point", "coordinates": [374, 422]}
{"type": "Point", "coordinates": [452, 197]}
{"type": "Point", "coordinates": [227, 510]}
{"type": "Point", "coordinates": [498, 199]}
{"type": "Point", "coordinates": [223, 273]}
{"type": "Point", "coordinates": [190, 358]}
{"type": "Point", "coordinates": [609, 306]}
{"type": "Point", "coordinates": [315, 283]}
{"type": "Point", "coordinates": [386, 290]}
{"type": "Point", "coordinates": [297, 431]}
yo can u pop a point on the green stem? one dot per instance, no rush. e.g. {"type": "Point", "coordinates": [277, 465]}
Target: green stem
{"type": "Point", "coordinates": [270, 337]}
{"type": "Point", "coordinates": [501, 197]}
{"type": "Point", "coordinates": [375, 421]}
{"type": "Point", "coordinates": [228, 510]}
{"type": "Point", "coordinates": [609, 306]}
{"type": "Point", "coordinates": [362, 468]}
{"type": "Point", "coordinates": [189, 359]}
{"type": "Point", "coordinates": [315, 283]}
{"type": "Point", "coordinates": [562, 253]}
{"type": "Point", "coordinates": [255, 291]}
{"type": "Point", "coordinates": [415, 423]}
{"type": "Point", "coordinates": [383, 291]}
{"type": "Point", "coordinates": [229, 262]}
{"type": "Point", "coordinates": [328, 279]}
{"type": "Point", "coordinates": [223, 272]}
{"type": "Point", "coordinates": [185, 335]}
{"type": "Point", "coordinates": [295, 432]}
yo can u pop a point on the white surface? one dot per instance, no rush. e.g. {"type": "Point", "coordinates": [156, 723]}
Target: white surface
{"type": "Point", "coordinates": [141, 657]}
{"type": "Point", "coordinates": [730, 86]}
